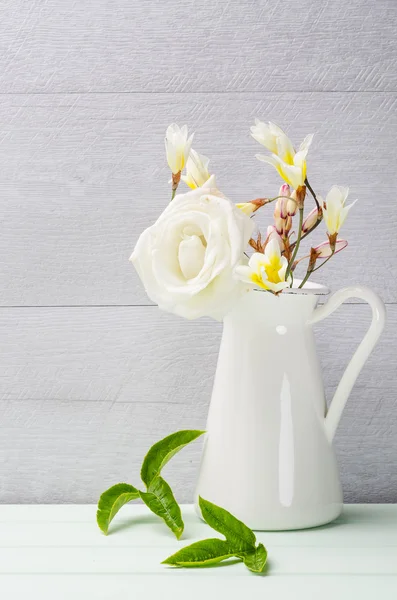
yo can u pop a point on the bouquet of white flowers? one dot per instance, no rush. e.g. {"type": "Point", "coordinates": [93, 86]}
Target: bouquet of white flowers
{"type": "Point", "coordinates": [193, 261]}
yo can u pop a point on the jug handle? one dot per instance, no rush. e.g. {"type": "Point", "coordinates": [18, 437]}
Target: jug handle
{"type": "Point", "coordinates": [361, 354]}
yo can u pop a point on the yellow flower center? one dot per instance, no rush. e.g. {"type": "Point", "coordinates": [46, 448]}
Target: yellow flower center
{"type": "Point", "coordinates": [272, 269]}
{"type": "Point", "coordinates": [268, 272]}
{"type": "Point", "coordinates": [288, 158]}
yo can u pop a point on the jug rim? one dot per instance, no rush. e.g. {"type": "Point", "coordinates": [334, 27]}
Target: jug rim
{"type": "Point", "coordinates": [310, 288]}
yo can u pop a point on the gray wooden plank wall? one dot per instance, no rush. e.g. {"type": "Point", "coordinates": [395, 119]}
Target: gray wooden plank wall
{"type": "Point", "coordinates": [91, 373]}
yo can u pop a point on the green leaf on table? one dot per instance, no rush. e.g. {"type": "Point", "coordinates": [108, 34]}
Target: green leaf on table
{"type": "Point", "coordinates": [201, 554]}
{"type": "Point", "coordinates": [241, 537]}
{"type": "Point", "coordinates": [256, 561]}
{"type": "Point", "coordinates": [240, 543]}
{"type": "Point", "coordinates": [111, 501]}
{"type": "Point", "coordinates": [160, 499]}
{"type": "Point", "coordinates": [161, 452]}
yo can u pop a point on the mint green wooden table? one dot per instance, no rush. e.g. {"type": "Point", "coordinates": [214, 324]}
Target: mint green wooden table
{"type": "Point", "coordinates": [57, 552]}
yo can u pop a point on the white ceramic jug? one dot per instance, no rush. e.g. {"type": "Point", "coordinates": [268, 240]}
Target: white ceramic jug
{"type": "Point", "coordinates": [268, 455]}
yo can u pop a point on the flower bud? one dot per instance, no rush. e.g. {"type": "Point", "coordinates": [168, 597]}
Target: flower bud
{"type": "Point", "coordinates": [279, 209]}
{"type": "Point", "coordinates": [279, 225]}
{"type": "Point", "coordinates": [177, 146]}
{"type": "Point", "coordinates": [285, 190]}
{"type": "Point", "coordinates": [324, 250]}
{"type": "Point", "coordinates": [250, 207]}
{"type": "Point", "coordinates": [272, 234]}
{"type": "Point", "coordinates": [288, 207]}
{"type": "Point", "coordinates": [292, 205]}
{"type": "Point", "coordinates": [282, 221]}
{"type": "Point", "coordinates": [310, 220]}
{"type": "Point", "coordinates": [288, 225]}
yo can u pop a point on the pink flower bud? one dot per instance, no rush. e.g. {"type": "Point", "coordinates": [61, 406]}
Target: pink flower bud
{"type": "Point", "coordinates": [280, 209]}
{"type": "Point", "coordinates": [324, 250]}
{"type": "Point", "coordinates": [285, 190]}
{"type": "Point", "coordinates": [279, 225]}
{"type": "Point", "coordinates": [289, 207]}
{"type": "Point", "coordinates": [272, 234]}
{"type": "Point", "coordinates": [292, 205]}
{"type": "Point", "coordinates": [310, 220]}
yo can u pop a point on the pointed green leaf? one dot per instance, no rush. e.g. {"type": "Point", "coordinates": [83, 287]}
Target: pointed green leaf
{"type": "Point", "coordinates": [239, 543]}
{"type": "Point", "coordinates": [256, 561]}
{"type": "Point", "coordinates": [240, 536]}
{"type": "Point", "coordinates": [160, 499]}
{"type": "Point", "coordinates": [111, 501]}
{"type": "Point", "coordinates": [161, 452]}
{"type": "Point", "coordinates": [201, 554]}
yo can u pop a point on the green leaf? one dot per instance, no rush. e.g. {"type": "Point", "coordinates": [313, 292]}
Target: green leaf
{"type": "Point", "coordinates": [240, 543]}
{"type": "Point", "coordinates": [160, 499]}
{"type": "Point", "coordinates": [111, 501]}
{"type": "Point", "coordinates": [240, 536]}
{"type": "Point", "coordinates": [201, 554]}
{"type": "Point", "coordinates": [161, 452]}
{"type": "Point", "coordinates": [256, 561]}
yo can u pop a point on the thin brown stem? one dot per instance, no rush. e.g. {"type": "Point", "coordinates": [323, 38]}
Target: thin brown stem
{"type": "Point", "coordinates": [312, 193]}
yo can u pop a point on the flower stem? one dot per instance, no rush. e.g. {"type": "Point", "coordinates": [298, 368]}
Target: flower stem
{"type": "Point", "coordinates": [312, 270]}
{"type": "Point", "coordinates": [297, 243]}
{"type": "Point", "coordinates": [312, 193]}
{"type": "Point", "coordinates": [176, 177]}
{"type": "Point", "coordinates": [306, 277]}
{"type": "Point", "coordinates": [285, 198]}
{"type": "Point", "coordinates": [308, 232]}
{"type": "Point", "coordinates": [269, 200]}
{"type": "Point", "coordinates": [323, 263]}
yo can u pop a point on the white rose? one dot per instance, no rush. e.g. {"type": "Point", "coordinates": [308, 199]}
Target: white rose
{"type": "Point", "coordinates": [187, 258]}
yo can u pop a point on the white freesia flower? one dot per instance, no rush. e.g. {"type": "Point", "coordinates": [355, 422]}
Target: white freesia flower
{"type": "Point", "coordinates": [334, 209]}
{"type": "Point", "coordinates": [290, 165]}
{"type": "Point", "coordinates": [196, 170]}
{"type": "Point", "coordinates": [266, 270]}
{"type": "Point", "coordinates": [177, 147]}
{"type": "Point", "coordinates": [267, 135]}
{"type": "Point", "coordinates": [186, 260]}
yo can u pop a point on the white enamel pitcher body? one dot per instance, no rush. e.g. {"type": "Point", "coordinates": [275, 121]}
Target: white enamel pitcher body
{"type": "Point", "coordinates": [268, 455]}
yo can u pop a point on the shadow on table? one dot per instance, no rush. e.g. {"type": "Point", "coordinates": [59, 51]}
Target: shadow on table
{"type": "Point", "coordinates": [133, 522]}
